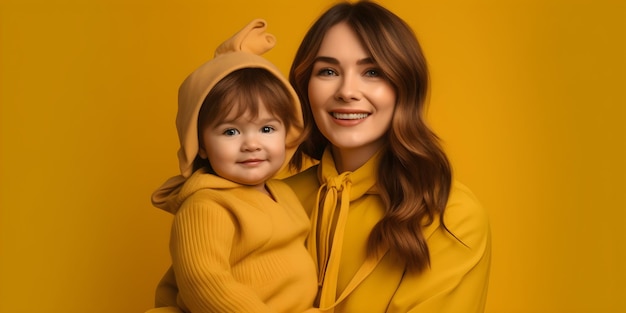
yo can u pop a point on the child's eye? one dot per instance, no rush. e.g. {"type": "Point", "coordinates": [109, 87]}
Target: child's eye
{"type": "Point", "coordinates": [326, 72]}
{"type": "Point", "coordinates": [231, 132]}
{"type": "Point", "coordinates": [267, 129]}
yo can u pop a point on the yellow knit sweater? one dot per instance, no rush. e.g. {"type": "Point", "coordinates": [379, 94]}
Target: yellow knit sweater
{"type": "Point", "coordinates": [458, 275]}
{"type": "Point", "coordinates": [235, 249]}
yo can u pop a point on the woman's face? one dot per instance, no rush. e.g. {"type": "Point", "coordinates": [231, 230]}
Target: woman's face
{"type": "Point", "coordinates": [351, 101]}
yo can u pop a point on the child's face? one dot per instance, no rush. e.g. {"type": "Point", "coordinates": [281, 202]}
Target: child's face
{"type": "Point", "coordinates": [351, 101]}
{"type": "Point", "coordinates": [244, 150]}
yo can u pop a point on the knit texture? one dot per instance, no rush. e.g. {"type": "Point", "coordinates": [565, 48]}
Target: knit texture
{"type": "Point", "coordinates": [235, 249]}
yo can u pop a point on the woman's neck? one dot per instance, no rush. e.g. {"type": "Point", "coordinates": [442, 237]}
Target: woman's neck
{"type": "Point", "coordinates": [348, 159]}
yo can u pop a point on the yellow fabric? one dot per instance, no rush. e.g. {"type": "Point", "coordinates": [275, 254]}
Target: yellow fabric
{"type": "Point", "coordinates": [289, 171]}
{"type": "Point", "coordinates": [457, 279]}
{"type": "Point", "coordinates": [166, 291]}
{"type": "Point", "coordinates": [234, 249]}
{"type": "Point", "coordinates": [324, 242]}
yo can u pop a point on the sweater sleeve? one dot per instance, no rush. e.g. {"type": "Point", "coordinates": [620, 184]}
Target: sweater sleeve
{"type": "Point", "coordinates": [200, 245]}
{"type": "Point", "coordinates": [458, 276]}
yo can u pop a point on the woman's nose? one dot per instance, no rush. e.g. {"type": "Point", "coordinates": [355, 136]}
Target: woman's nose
{"type": "Point", "coordinates": [348, 89]}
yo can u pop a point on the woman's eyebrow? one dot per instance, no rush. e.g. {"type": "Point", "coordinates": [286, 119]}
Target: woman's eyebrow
{"type": "Point", "coordinates": [326, 60]}
{"type": "Point", "coordinates": [365, 61]}
{"type": "Point", "coordinates": [332, 60]}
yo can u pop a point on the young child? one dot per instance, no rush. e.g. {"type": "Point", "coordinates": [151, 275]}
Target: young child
{"type": "Point", "coordinates": [237, 240]}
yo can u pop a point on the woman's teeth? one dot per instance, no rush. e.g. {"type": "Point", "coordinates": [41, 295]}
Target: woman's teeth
{"type": "Point", "coordinates": [349, 116]}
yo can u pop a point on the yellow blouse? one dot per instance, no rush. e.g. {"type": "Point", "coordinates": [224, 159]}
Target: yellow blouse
{"type": "Point", "coordinates": [456, 280]}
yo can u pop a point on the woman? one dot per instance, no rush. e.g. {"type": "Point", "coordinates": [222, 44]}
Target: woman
{"type": "Point", "coordinates": [392, 231]}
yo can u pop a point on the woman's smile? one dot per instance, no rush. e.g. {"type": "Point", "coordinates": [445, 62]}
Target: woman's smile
{"type": "Point", "coordinates": [349, 116]}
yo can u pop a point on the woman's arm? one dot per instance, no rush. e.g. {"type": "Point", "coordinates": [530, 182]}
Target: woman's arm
{"type": "Point", "coordinates": [458, 276]}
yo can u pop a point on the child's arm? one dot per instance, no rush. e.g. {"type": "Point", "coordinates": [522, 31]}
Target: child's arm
{"type": "Point", "coordinates": [201, 239]}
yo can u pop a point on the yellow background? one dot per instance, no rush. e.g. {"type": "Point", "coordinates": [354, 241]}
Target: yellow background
{"type": "Point", "coordinates": [528, 96]}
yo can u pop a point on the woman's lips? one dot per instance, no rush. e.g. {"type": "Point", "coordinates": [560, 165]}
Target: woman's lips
{"type": "Point", "coordinates": [349, 116]}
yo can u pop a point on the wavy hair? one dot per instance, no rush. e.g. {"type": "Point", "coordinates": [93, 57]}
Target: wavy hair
{"type": "Point", "coordinates": [414, 176]}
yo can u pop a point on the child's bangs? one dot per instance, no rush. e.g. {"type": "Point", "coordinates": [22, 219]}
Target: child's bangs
{"type": "Point", "coordinates": [243, 92]}
{"type": "Point", "coordinates": [257, 88]}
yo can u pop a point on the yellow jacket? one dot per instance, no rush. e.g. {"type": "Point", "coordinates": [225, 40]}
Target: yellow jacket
{"type": "Point", "coordinates": [457, 278]}
{"type": "Point", "coordinates": [235, 249]}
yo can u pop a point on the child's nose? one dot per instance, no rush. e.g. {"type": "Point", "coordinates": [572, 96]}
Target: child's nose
{"type": "Point", "coordinates": [251, 143]}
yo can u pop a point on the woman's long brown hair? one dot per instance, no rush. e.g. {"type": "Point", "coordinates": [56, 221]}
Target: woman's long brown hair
{"type": "Point", "coordinates": [414, 176]}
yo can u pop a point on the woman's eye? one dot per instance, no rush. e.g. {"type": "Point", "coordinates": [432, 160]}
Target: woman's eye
{"type": "Point", "coordinates": [231, 132]}
{"type": "Point", "coordinates": [373, 73]}
{"type": "Point", "coordinates": [326, 72]}
{"type": "Point", "coordinates": [267, 129]}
